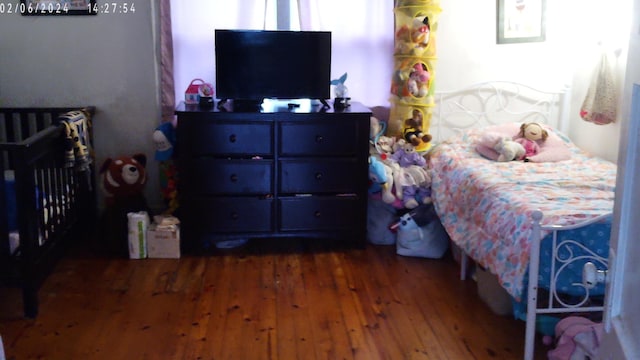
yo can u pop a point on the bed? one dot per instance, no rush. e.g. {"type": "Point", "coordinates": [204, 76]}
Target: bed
{"type": "Point", "coordinates": [47, 196]}
{"type": "Point", "coordinates": [532, 224]}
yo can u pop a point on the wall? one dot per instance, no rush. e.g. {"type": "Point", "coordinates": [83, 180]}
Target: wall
{"type": "Point", "coordinates": [106, 60]}
{"type": "Point", "coordinates": [467, 53]}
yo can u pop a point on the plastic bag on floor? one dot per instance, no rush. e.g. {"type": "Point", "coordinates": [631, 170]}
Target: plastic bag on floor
{"type": "Point", "coordinates": [428, 241]}
{"type": "Point", "coordinates": [379, 216]}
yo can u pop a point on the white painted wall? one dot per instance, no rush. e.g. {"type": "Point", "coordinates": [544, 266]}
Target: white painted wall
{"type": "Point", "coordinates": [106, 60]}
{"type": "Point", "coordinates": [467, 53]}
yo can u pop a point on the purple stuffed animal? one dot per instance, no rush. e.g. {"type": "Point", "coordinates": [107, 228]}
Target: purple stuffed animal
{"type": "Point", "coordinates": [407, 156]}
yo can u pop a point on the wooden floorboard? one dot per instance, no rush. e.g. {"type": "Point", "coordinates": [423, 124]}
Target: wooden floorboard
{"type": "Point", "coordinates": [286, 299]}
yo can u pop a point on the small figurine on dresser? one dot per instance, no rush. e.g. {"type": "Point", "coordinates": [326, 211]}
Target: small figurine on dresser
{"type": "Point", "coordinates": [341, 91]}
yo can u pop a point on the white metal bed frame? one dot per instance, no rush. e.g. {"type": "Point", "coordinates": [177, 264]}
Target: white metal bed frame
{"type": "Point", "coordinates": [497, 102]}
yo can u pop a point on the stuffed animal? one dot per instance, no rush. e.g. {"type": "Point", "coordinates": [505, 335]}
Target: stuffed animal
{"type": "Point", "coordinates": [407, 156]}
{"type": "Point", "coordinates": [123, 178]}
{"type": "Point", "coordinates": [413, 185]}
{"type": "Point", "coordinates": [508, 150]}
{"type": "Point", "coordinates": [403, 43]}
{"type": "Point", "coordinates": [418, 82]}
{"type": "Point", "coordinates": [413, 132]}
{"type": "Point", "coordinates": [577, 338]}
{"type": "Point", "coordinates": [341, 90]}
{"type": "Point", "coordinates": [381, 179]}
{"type": "Point", "coordinates": [164, 139]}
{"type": "Point", "coordinates": [421, 31]}
{"type": "Point", "coordinates": [530, 137]}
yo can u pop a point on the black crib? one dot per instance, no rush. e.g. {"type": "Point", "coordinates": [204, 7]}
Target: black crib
{"type": "Point", "coordinates": [47, 192]}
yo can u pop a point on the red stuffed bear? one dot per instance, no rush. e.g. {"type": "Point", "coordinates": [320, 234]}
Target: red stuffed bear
{"type": "Point", "coordinates": [123, 177]}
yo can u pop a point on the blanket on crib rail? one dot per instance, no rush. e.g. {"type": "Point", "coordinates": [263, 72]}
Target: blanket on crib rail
{"type": "Point", "coordinates": [78, 149]}
{"type": "Point", "coordinates": [486, 206]}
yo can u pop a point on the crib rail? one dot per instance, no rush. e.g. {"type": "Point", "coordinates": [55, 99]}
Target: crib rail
{"type": "Point", "coordinates": [50, 199]}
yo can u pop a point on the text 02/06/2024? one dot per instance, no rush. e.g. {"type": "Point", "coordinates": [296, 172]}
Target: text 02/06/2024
{"type": "Point", "coordinates": [65, 7]}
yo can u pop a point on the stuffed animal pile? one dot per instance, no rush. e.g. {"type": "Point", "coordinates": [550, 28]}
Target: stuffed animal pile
{"type": "Point", "coordinates": [413, 40]}
{"type": "Point", "coordinates": [398, 173]}
{"type": "Point", "coordinates": [528, 142]}
{"type": "Point", "coordinates": [396, 170]}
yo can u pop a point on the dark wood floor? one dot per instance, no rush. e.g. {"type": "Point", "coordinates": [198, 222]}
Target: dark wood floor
{"type": "Point", "coordinates": [296, 300]}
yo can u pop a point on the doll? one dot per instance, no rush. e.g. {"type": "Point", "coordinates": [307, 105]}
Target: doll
{"type": "Point", "coordinates": [531, 135]}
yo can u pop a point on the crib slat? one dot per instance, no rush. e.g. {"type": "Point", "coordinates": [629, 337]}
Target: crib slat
{"type": "Point", "coordinates": [32, 145]}
{"type": "Point", "coordinates": [9, 131]}
{"type": "Point", "coordinates": [25, 130]}
{"type": "Point", "coordinates": [41, 122]}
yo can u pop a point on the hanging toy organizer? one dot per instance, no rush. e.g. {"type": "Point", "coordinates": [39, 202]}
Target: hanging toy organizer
{"type": "Point", "coordinates": [412, 83]}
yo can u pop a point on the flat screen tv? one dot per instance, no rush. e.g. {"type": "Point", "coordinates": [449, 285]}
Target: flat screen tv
{"type": "Point", "coordinates": [252, 65]}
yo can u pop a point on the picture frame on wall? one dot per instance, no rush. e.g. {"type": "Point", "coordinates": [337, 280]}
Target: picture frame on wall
{"type": "Point", "coordinates": [57, 7]}
{"type": "Point", "coordinates": [520, 21]}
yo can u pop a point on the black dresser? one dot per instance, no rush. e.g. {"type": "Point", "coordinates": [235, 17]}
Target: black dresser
{"type": "Point", "coordinates": [278, 172]}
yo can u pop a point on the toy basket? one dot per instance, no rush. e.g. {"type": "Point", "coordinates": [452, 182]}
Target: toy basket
{"type": "Point", "coordinates": [400, 112]}
{"type": "Point", "coordinates": [412, 81]}
{"type": "Point", "coordinates": [416, 28]}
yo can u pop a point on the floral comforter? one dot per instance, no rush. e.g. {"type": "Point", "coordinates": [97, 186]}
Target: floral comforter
{"type": "Point", "coordinates": [486, 206]}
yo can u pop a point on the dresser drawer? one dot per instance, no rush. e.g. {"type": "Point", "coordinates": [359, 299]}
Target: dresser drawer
{"type": "Point", "coordinates": [318, 176]}
{"type": "Point", "coordinates": [226, 214]}
{"type": "Point", "coordinates": [318, 213]}
{"type": "Point", "coordinates": [318, 138]}
{"type": "Point", "coordinates": [211, 138]}
{"type": "Point", "coordinates": [219, 176]}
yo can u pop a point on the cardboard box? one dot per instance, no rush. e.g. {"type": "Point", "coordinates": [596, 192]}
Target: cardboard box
{"type": "Point", "coordinates": [163, 242]}
{"type": "Point", "coordinates": [492, 294]}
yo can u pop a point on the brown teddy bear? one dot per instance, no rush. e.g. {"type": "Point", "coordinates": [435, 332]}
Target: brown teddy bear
{"type": "Point", "coordinates": [412, 131]}
{"type": "Point", "coordinates": [123, 177]}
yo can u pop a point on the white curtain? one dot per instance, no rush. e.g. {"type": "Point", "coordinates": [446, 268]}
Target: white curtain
{"type": "Point", "coordinates": [362, 43]}
{"type": "Point", "coordinates": [362, 37]}
{"type": "Point", "coordinates": [193, 25]}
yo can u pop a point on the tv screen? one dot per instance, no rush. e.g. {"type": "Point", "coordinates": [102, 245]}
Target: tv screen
{"type": "Point", "coordinates": [252, 65]}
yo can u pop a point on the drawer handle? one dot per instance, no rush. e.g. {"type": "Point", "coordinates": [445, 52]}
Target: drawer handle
{"type": "Point", "coordinates": [234, 216]}
{"type": "Point", "coordinates": [233, 178]}
{"type": "Point", "coordinates": [318, 176]}
{"type": "Point", "coordinates": [317, 214]}
{"type": "Point", "coordinates": [319, 138]}
{"type": "Point", "coordinates": [233, 138]}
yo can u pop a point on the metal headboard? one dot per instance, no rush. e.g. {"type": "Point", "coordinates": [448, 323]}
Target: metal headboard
{"type": "Point", "coordinates": [497, 102]}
